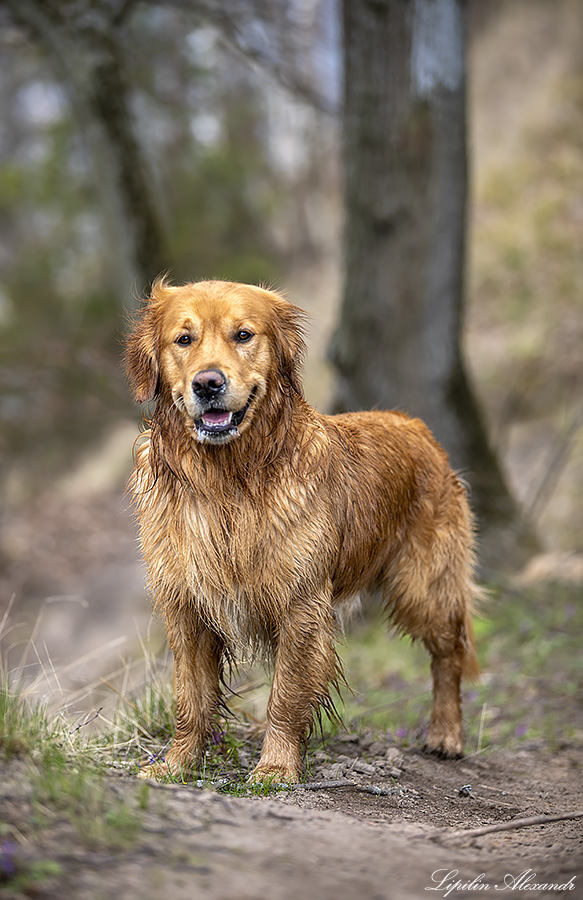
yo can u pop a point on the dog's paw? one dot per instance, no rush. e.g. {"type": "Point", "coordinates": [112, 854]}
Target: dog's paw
{"type": "Point", "coordinates": [164, 771]}
{"type": "Point", "coordinates": [444, 748]}
{"type": "Point", "coordinates": [154, 771]}
{"type": "Point", "coordinates": [273, 774]}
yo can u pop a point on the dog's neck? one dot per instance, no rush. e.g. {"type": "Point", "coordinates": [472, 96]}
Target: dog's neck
{"type": "Point", "coordinates": [272, 440]}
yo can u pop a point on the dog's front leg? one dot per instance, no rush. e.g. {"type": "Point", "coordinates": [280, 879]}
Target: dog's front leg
{"type": "Point", "coordinates": [306, 665]}
{"type": "Point", "coordinates": [197, 655]}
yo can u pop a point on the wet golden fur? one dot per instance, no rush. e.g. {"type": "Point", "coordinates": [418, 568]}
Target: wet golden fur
{"type": "Point", "coordinates": [254, 538]}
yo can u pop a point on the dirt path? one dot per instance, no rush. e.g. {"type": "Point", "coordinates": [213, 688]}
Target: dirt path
{"type": "Point", "coordinates": [330, 844]}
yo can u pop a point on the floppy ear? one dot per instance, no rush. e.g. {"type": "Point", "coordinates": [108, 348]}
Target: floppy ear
{"type": "Point", "coordinates": [290, 346]}
{"type": "Point", "coordinates": [141, 362]}
{"type": "Point", "coordinates": [141, 356]}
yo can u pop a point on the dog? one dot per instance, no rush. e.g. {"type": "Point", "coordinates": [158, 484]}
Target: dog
{"type": "Point", "coordinates": [260, 519]}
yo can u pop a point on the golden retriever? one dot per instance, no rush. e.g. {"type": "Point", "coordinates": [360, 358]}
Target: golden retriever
{"type": "Point", "coordinates": [260, 518]}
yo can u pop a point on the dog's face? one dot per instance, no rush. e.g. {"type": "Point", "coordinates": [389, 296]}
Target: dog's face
{"type": "Point", "coordinates": [217, 348]}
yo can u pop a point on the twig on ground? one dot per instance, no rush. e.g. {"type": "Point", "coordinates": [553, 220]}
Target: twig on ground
{"type": "Point", "coordinates": [324, 785]}
{"type": "Point", "coordinates": [494, 801]}
{"type": "Point", "coordinates": [508, 826]}
{"type": "Point", "coordinates": [87, 721]}
{"type": "Point", "coordinates": [509, 793]}
{"type": "Point", "coordinates": [374, 789]}
{"type": "Point", "coordinates": [378, 791]}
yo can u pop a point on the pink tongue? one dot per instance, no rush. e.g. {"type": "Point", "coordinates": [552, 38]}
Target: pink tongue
{"type": "Point", "coordinates": [217, 417]}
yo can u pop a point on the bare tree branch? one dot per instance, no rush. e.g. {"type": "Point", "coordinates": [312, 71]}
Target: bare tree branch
{"type": "Point", "coordinates": [509, 826]}
{"type": "Point", "coordinates": [283, 56]}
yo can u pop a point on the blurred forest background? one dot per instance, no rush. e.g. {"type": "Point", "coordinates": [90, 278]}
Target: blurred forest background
{"type": "Point", "coordinates": [235, 109]}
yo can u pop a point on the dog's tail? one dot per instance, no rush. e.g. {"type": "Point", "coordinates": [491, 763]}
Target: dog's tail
{"type": "Point", "coordinates": [471, 666]}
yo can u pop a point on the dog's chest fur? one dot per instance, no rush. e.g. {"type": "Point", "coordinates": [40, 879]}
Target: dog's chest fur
{"type": "Point", "coordinates": [240, 559]}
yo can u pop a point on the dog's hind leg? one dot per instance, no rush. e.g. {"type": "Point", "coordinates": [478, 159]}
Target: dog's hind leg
{"type": "Point", "coordinates": [452, 656]}
{"type": "Point", "coordinates": [431, 597]}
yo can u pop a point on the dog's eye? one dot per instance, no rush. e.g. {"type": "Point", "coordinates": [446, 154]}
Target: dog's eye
{"type": "Point", "coordinates": [243, 336]}
{"type": "Point", "coordinates": [184, 340]}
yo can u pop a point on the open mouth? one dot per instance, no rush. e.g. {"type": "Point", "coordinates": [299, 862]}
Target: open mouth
{"type": "Point", "coordinates": [217, 422]}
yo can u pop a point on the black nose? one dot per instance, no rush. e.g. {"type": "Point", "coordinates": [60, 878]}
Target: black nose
{"type": "Point", "coordinates": [209, 384]}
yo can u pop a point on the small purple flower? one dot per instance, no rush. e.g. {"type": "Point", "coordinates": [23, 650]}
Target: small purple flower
{"type": "Point", "coordinates": [218, 737]}
{"type": "Point", "coordinates": [520, 731]}
{"type": "Point", "coordinates": [7, 862]}
{"type": "Point", "coordinates": [401, 732]}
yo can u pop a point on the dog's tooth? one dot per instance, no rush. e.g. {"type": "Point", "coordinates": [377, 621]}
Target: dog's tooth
{"type": "Point", "coordinates": [211, 420]}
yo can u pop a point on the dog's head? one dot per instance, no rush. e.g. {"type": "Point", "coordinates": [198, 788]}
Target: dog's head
{"type": "Point", "coordinates": [216, 350]}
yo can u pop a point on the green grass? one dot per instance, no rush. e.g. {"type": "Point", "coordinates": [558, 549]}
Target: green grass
{"type": "Point", "coordinates": [388, 678]}
{"type": "Point", "coordinates": [23, 728]}
{"type": "Point", "coordinates": [67, 780]}
{"type": "Point", "coordinates": [529, 645]}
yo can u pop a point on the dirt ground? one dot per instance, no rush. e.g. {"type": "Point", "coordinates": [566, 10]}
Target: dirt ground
{"type": "Point", "coordinates": [332, 843]}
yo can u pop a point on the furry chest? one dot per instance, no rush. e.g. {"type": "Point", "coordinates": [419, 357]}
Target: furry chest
{"type": "Point", "coordinates": [240, 559]}
{"type": "Point", "coordinates": [242, 555]}
{"type": "Point", "coordinates": [242, 571]}
{"type": "Point", "coordinates": [235, 552]}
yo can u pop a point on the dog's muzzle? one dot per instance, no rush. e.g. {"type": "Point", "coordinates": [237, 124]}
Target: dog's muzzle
{"type": "Point", "coordinates": [217, 423]}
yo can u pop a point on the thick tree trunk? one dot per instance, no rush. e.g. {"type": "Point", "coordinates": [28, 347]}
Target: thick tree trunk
{"type": "Point", "coordinates": [398, 340]}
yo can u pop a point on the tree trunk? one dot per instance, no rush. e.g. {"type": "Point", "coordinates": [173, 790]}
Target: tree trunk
{"type": "Point", "coordinates": [109, 98]}
{"type": "Point", "coordinates": [85, 52]}
{"type": "Point", "coordinates": [398, 343]}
